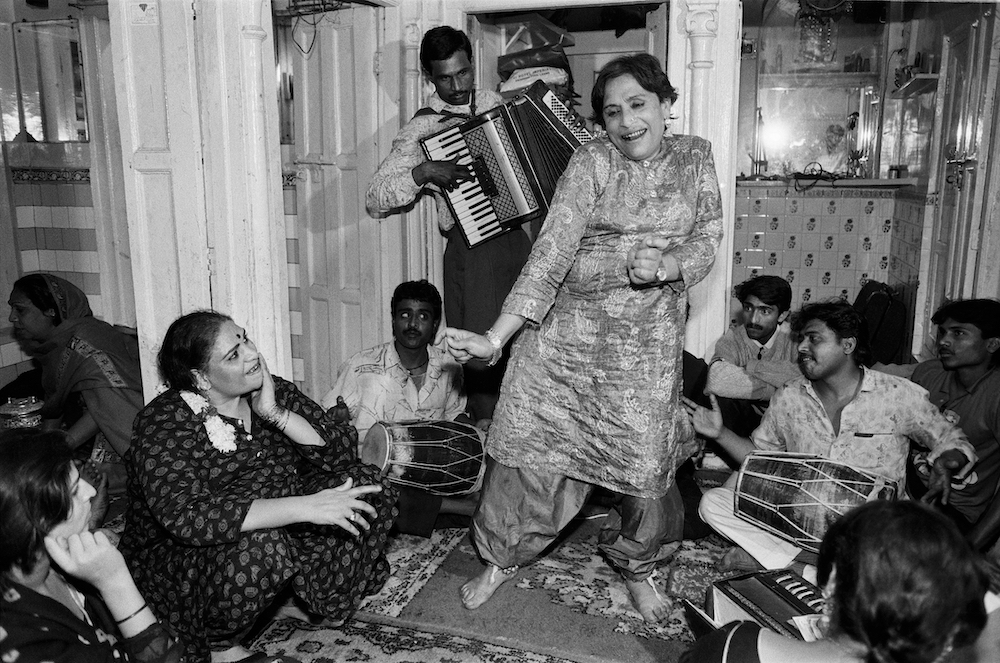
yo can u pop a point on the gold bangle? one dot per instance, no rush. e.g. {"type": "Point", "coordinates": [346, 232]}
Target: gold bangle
{"type": "Point", "coordinates": [494, 338]}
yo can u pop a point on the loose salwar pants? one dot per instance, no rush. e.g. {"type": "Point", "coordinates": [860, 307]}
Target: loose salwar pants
{"type": "Point", "coordinates": [522, 511]}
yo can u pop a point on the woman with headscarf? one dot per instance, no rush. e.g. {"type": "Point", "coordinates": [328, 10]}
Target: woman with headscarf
{"type": "Point", "coordinates": [82, 359]}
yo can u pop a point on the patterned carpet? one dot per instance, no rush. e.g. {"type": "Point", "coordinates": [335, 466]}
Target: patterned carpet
{"type": "Point", "coordinates": [568, 606]}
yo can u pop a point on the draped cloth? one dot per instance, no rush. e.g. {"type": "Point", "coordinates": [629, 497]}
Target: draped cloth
{"type": "Point", "coordinates": [86, 354]}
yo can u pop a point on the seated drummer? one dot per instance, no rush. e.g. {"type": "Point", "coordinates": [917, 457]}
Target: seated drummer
{"type": "Point", "coordinates": [838, 410]}
{"type": "Point", "coordinates": [406, 379]}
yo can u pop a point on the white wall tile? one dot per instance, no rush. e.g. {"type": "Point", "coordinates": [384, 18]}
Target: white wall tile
{"type": "Point", "coordinates": [47, 260]}
{"type": "Point", "coordinates": [25, 217]}
{"type": "Point", "coordinates": [29, 261]}
{"type": "Point", "coordinates": [43, 217]}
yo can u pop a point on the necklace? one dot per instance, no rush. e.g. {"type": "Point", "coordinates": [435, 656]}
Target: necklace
{"type": "Point", "coordinates": [416, 369]}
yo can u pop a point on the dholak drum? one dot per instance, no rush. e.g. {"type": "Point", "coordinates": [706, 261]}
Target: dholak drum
{"type": "Point", "coordinates": [798, 496]}
{"type": "Point", "coordinates": [442, 457]}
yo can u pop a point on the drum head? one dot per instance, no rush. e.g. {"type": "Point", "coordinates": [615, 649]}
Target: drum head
{"type": "Point", "coordinates": [375, 449]}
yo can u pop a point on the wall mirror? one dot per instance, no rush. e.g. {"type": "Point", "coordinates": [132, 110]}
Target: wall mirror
{"type": "Point", "coordinates": [47, 103]}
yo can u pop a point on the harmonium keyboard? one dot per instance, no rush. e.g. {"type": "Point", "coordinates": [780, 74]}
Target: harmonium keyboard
{"type": "Point", "coordinates": [778, 600]}
{"type": "Point", "coordinates": [516, 152]}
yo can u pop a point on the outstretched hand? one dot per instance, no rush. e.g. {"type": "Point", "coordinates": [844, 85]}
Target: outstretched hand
{"type": "Point", "coordinates": [465, 345]}
{"type": "Point", "coordinates": [707, 422]}
{"type": "Point", "coordinates": [342, 506]}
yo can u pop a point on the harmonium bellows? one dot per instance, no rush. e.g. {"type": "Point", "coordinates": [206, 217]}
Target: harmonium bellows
{"type": "Point", "coordinates": [773, 599]}
{"type": "Point", "coordinates": [516, 152]}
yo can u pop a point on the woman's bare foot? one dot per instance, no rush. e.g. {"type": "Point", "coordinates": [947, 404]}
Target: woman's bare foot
{"type": "Point", "coordinates": [235, 653]}
{"type": "Point", "coordinates": [652, 605]}
{"type": "Point", "coordinates": [479, 590]}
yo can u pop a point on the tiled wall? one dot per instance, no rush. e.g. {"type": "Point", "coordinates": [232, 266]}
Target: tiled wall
{"type": "Point", "coordinates": [294, 275]}
{"type": "Point", "coordinates": [826, 243]}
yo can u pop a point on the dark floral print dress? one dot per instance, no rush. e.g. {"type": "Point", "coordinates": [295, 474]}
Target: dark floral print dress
{"type": "Point", "coordinates": [187, 501]}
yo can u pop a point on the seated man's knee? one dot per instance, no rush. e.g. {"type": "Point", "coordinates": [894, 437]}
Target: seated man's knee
{"type": "Point", "coordinates": [715, 504]}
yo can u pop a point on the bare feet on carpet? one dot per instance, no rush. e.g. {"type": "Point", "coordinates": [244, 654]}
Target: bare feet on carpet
{"type": "Point", "coordinates": [479, 590]}
{"type": "Point", "coordinates": [651, 604]}
{"type": "Point", "coordinates": [290, 610]}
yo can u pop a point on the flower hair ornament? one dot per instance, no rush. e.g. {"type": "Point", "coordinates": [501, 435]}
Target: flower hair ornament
{"type": "Point", "coordinates": [221, 434]}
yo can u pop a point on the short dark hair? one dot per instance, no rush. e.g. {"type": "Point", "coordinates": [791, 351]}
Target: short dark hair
{"type": "Point", "coordinates": [35, 494]}
{"type": "Point", "coordinates": [906, 582]}
{"type": "Point", "coordinates": [843, 319]}
{"type": "Point", "coordinates": [419, 291]}
{"type": "Point", "coordinates": [441, 43]}
{"type": "Point", "coordinates": [36, 289]}
{"type": "Point", "coordinates": [772, 290]}
{"type": "Point", "coordinates": [644, 68]}
{"type": "Point", "coordinates": [983, 313]}
{"type": "Point", "coordinates": [187, 346]}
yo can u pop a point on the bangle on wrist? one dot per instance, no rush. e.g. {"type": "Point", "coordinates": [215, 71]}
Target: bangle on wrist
{"type": "Point", "coordinates": [494, 338]}
{"type": "Point", "coordinates": [121, 621]}
{"type": "Point", "coordinates": [277, 416]}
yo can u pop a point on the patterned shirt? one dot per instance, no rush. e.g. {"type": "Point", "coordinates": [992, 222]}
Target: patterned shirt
{"type": "Point", "coordinates": [376, 388]}
{"type": "Point", "coordinates": [393, 186]}
{"type": "Point", "coordinates": [875, 428]}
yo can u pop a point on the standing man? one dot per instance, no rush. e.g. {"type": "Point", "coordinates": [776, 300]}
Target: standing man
{"type": "Point", "coordinates": [752, 360]}
{"type": "Point", "coordinates": [964, 383]}
{"type": "Point", "coordinates": [477, 280]}
{"type": "Point", "coordinates": [407, 379]}
{"type": "Point", "coordinates": [839, 410]}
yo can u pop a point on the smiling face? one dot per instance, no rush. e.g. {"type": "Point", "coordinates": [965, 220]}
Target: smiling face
{"type": "Point", "coordinates": [233, 367]}
{"type": "Point", "coordinates": [78, 519]}
{"type": "Point", "coordinates": [453, 78]}
{"type": "Point", "coordinates": [414, 324]}
{"type": "Point", "coordinates": [760, 319]}
{"type": "Point", "coordinates": [822, 353]}
{"type": "Point", "coordinates": [634, 117]}
{"type": "Point", "coordinates": [32, 326]}
{"type": "Point", "coordinates": [961, 345]}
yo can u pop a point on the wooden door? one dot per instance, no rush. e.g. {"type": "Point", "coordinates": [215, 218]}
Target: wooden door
{"type": "Point", "coordinates": [340, 260]}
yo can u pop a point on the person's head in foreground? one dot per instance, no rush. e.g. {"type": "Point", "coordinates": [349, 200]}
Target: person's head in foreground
{"type": "Point", "coordinates": [968, 333]}
{"type": "Point", "coordinates": [632, 98]}
{"type": "Point", "coordinates": [41, 494]}
{"type": "Point", "coordinates": [206, 352]}
{"type": "Point", "coordinates": [833, 337]}
{"type": "Point", "coordinates": [902, 582]}
{"type": "Point", "coordinates": [765, 300]}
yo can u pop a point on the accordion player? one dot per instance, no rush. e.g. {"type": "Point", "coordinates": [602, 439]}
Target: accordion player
{"type": "Point", "coordinates": [516, 152]}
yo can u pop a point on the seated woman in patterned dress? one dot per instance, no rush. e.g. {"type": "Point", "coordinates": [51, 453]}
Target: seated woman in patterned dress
{"type": "Point", "coordinates": [241, 487]}
{"type": "Point", "coordinates": [66, 595]}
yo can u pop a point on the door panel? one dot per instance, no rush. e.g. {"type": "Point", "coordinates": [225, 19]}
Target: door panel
{"type": "Point", "coordinates": [339, 256]}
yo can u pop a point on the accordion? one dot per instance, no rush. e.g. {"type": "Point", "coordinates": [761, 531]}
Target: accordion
{"type": "Point", "coordinates": [516, 152]}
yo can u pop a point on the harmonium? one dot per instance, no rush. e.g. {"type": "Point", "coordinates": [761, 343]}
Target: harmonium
{"type": "Point", "coordinates": [517, 152]}
{"type": "Point", "coordinates": [781, 601]}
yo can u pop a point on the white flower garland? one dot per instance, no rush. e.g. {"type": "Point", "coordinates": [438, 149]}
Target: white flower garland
{"type": "Point", "coordinates": [221, 434]}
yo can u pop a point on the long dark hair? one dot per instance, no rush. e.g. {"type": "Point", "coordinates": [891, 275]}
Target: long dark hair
{"type": "Point", "coordinates": [187, 346]}
{"type": "Point", "coordinates": [906, 583]}
{"type": "Point", "coordinates": [35, 494]}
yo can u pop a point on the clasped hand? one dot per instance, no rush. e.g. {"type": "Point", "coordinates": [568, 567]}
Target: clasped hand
{"type": "Point", "coordinates": [645, 259]}
{"type": "Point", "coordinates": [343, 507]}
{"type": "Point", "coordinates": [464, 345]}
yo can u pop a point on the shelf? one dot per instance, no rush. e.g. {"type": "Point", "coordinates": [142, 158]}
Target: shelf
{"type": "Point", "coordinates": [793, 81]}
{"type": "Point", "coordinates": [846, 182]}
{"type": "Point", "coordinates": [919, 84]}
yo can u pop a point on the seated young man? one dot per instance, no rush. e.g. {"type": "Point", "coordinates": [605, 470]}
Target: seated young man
{"type": "Point", "coordinates": [964, 383]}
{"type": "Point", "coordinates": [404, 379]}
{"type": "Point", "coordinates": [837, 409]}
{"type": "Point", "coordinates": [755, 358]}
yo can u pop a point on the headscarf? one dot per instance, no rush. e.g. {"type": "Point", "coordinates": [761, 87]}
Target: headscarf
{"type": "Point", "coordinates": [83, 352]}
